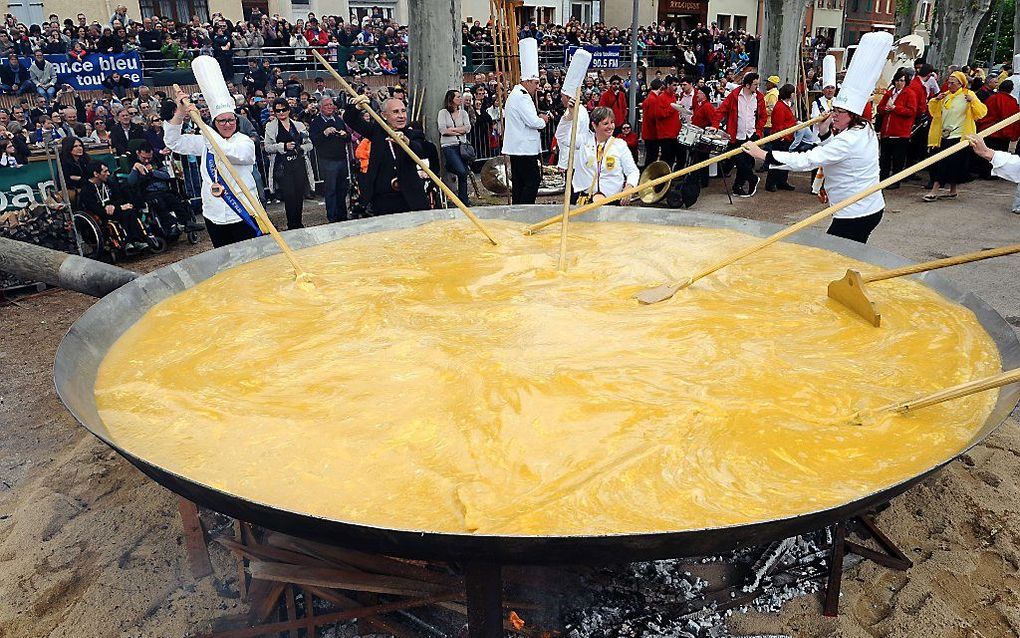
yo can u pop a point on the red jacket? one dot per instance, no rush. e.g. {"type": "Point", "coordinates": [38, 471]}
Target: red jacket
{"type": "Point", "coordinates": [783, 118]}
{"type": "Point", "coordinates": [632, 142]}
{"type": "Point", "coordinates": [618, 103]}
{"type": "Point", "coordinates": [317, 39]}
{"type": "Point", "coordinates": [668, 124]}
{"type": "Point", "coordinates": [917, 85]}
{"type": "Point", "coordinates": [728, 111]}
{"type": "Point", "coordinates": [1000, 106]}
{"type": "Point", "coordinates": [900, 120]}
{"type": "Point", "coordinates": [704, 115]}
{"type": "Point", "coordinates": [650, 116]}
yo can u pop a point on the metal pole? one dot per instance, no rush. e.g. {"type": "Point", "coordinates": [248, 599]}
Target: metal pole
{"type": "Point", "coordinates": [633, 65]}
{"type": "Point", "coordinates": [67, 201]}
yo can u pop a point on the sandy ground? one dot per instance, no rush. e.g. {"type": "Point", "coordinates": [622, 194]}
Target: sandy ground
{"type": "Point", "coordinates": [89, 547]}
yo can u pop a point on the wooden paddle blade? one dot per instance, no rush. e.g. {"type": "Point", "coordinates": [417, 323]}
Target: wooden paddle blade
{"type": "Point", "coordinates": [850, 292]}
{"type": "Point", "coordinates": [659, 293]}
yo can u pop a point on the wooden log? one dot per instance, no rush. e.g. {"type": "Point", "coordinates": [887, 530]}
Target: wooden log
{"type": "Point", "coordinates": [194, 539]}
{"type": "Point", "coordinates": [343, 579]}
{"type": "Point", "coordinates": [366, 562]}
{"type": "Point", "coordinates": [265, 597]}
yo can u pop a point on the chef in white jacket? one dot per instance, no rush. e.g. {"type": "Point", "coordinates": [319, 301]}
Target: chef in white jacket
{"type": "Point", "coordinates": [1004, 164]}
{"type": "Point", "coordinates": [603, 164]}
{"type": "Point", "coordinates": [227, 219]}
{"type": "Point", "coordinates": [522, 139]}
{"type": "Point", "coordinates": [822, 104]}
{"type": "Point", "coordinates": [849, 157]}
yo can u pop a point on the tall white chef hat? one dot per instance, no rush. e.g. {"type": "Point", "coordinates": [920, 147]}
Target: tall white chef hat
{"type": "Point", "coordinates": [575, 74]}
{"type": "Point", "coordinates": [829, 71]}
{"type": "Point", "coordinates": [865, 69]}
{"type": "Point", "coordinates": [214, 89]}
{"type": "Point", "coordinates": [528, 48]}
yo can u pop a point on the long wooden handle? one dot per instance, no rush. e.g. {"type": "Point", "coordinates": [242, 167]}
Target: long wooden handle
{"type": "Point", "coordinates": [407, 149]}
{"type": "Point", "coordinates": [955, 392]}
{"type": "Point", "coordinates": [627, 192]}
{"type": "Point", "coordinates": [822, 214]}
{"type": "Point", "coordinates": [254, 204]}
{"type": "Point", "coordinates": [943, 263]}
{"type": "Point", "coordinates": [568, 185]}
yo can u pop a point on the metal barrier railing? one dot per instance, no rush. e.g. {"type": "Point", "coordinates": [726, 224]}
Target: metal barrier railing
{"type": "Point", "coordinates": [299, 60]}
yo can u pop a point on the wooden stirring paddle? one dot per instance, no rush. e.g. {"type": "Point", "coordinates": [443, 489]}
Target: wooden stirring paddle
{"type": "Point", "coordinates": [665, 291]}
{"type": "Point", "coordinates": [851, 292]}
{"type": "Point", "coordinates": [955, 392]}
{"type": "Point", "coordinates": [407, 149]}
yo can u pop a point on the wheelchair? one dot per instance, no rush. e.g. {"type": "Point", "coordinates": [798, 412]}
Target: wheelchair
{"type": "Point", "coordinates": [150, 218]}
{"type": "Point", "coordinates": [106, 239]}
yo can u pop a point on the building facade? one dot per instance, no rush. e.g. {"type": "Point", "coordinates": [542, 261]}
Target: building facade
{"type": "Point", "coordinates": [825, 18]}
{"type": "Point", "coordinates": [865, 16]}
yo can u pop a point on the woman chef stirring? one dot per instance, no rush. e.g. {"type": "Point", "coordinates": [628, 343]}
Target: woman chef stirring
{"type": "Point", "coordinates": [849, 156]}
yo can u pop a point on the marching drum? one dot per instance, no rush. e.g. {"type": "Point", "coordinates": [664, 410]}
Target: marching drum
{"type": "Point", "coordinates": [690, 134]}
{"type": "Point", "coordinates": [713, 142]}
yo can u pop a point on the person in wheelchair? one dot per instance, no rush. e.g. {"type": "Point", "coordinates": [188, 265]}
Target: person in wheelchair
{"type": "Point", "coordinates": [103, 199]}
{"type": "Point", "coordinates": [152, 185]}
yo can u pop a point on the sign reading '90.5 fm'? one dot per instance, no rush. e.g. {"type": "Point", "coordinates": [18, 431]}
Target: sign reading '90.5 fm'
{"type": "Point", "coordinates": [607, 57]}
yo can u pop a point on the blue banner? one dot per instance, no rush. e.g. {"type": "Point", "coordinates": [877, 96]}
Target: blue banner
{"type": "Point", "coordinates": [88, 73]}
{"type": "Point", "coordinates": [607, 57]}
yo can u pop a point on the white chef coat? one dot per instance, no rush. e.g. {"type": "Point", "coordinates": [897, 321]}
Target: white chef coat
{"type": "Point", "coordinates": [239, 149]}
{"type": "Point", "coordinates": [523, 125]}
{"type": "Point", "coordinates": [617, 168]}
{"type": "Point", "coordinates": [850, 161]}
{"type": "Point", "coordinates": [1006, 165]}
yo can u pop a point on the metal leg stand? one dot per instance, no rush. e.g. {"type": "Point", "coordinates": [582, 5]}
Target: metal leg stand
{"type": "Point", "coordinates": [893, 558]}
{"type": "Point", "coordinates": [725, 183]}
{"type": "Point", "coordinates": [484, 587]}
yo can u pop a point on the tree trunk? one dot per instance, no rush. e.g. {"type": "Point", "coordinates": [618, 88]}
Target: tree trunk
{"type": "Point", "coordinates": [979, 33]}
{"type": "Point", "coordinates": [905, 10]}
{"type": "Point", "coordinates": [955, 27]}
{"type": "Point", "coordinates": [435, 48]}
{"type": "Point", "coordinates": [783, 25]}
{"type": "Point", "coordinates": [1016, 34]}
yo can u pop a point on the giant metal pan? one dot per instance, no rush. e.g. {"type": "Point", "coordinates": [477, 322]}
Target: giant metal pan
{"type": "Point", "coordinates": [88, 340]}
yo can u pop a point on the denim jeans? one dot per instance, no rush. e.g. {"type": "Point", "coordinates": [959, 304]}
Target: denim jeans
{"type": "Point", "coordinates": [455, 166]}
{"type": "Point", "coordinates": [48, 93]}
{"type": "Point", "coordinates": [334, 173]}
{"type": "Point", "coordinates": [27, 87]}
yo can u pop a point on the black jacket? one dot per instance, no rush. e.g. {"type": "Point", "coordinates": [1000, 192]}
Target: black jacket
{"type": "Point", "coordinates": [382, 167]}
{"type": "Point", "coordinates": [333, 147]}
{"type": "Point", "coordinates": [88, 198]}
{"type": "Point", "coordinates": [151, 40]}
{"type": "Point", "coordinates": [10, 77]}
{"type": "Point", "coordinates": [119, 140]}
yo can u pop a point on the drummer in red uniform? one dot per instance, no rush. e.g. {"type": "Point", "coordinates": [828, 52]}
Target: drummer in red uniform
{"type": "Point", "coordinates": [704, 114]}
{"type": "Point", "coordinates": [649, 126]}
{"type": "Point", "coordinates": [615, 100]}
{"type": "Point", "coordinates": [744, 114]}
{"type": "Point", "coordinates": [668, 122]}
{"type": "Point", "coordinates": [687, 101]}
{"type": "Point", "coordinates": [782, 118]}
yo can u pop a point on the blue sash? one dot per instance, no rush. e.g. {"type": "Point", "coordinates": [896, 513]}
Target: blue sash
{"type": "Point", "coordinates": [228, 195]}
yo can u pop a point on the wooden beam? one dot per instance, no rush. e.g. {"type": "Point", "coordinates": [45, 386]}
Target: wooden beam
{"type": "Point", "coordinates": [194, 539]}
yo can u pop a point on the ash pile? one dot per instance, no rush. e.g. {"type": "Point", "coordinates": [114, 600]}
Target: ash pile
{"type": "Point", "coordinates": [692, 598]}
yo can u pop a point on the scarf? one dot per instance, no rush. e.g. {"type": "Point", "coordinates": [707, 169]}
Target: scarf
{"type": "Point", "coordinates": [962, 79]}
